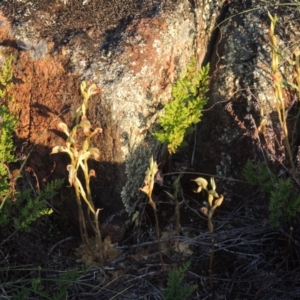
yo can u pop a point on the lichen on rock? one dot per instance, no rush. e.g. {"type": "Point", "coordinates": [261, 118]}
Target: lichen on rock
{"type": "Point", "coordinates": [136, 166]}
{"type": "Point", "coordinates": [132, 50]}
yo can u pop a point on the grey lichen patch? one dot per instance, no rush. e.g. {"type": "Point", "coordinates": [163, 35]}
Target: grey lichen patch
{"type": "Point", "coordinates": [238, 58]}
{"type": "Point", "coordinates": [39, 50]}
{"type": "Point", "coordinates": [209, 11]}
{"type": "Point", "coordinates": [235, 83]}
{"type": "Point", "coordinates": [136, 165]}
{"type": "Point", "coordinates": [246, 59]}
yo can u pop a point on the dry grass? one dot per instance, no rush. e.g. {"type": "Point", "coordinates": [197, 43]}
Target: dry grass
{"type": "Point", "coordinates": [252, 260]}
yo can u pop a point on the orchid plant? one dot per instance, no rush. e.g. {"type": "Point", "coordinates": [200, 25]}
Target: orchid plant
{"type": "Point", "coordinates": [148, 190]}
{"type": "Point", "coordinates": [80, 150]}
{"type": "Point", "coordinates": [214, 200]}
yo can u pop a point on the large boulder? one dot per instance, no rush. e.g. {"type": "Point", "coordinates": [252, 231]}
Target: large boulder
{"type": "Point", "coordinates": [133, 50]}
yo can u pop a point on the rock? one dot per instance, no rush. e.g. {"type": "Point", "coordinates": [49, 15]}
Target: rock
{"type": "Point", "coordinates": [132, 50]}
{"type": "Point", "coordinates": [242, 88]}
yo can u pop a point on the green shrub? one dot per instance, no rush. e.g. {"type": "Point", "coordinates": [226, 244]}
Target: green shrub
{"type": "Point", "coordinates": [284, 198]}
{"type": "Point", "coordinates": [186, 108]}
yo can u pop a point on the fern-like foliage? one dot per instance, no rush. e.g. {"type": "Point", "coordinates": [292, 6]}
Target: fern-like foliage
{"type": "Point", "coordinates": [259, 175]}
{"type": "Point", "coordinates": [6, 78]}
{"type": "Point", "coordinates": [29, 206]}
{"type": "Point", "coordinates": [64, 282]}
{"type": "Point", "coordinates": [7, 126]}
{"type": "Point", "coordinates": [175, 290]}
{"type": "Point", "coordinates": [36, 288]}
{"type": "Point", "coordinates": [284, 198]}
{"type": "Point", "coordinates": [186, 108]}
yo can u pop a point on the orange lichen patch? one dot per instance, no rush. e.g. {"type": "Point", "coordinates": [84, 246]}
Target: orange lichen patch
{"type": "Point", "coordinates": [148, 31]}
{"type": "Point", "coordinates": [49, 68]}
{"type": "Point", "coordinates": [40, 92]}
{"type": "Point", "coordinates": [4, 28]}
{"type": "Point", "coordinates": [143, 53]}
{"type": "Point", "coordinates": [21, 92]}
{"type": "Point", "coordinates": [167, 71]}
